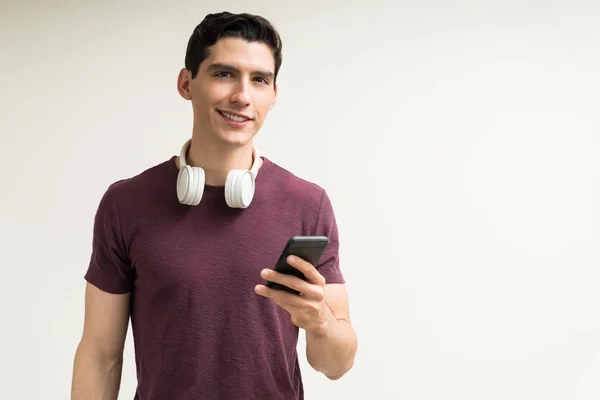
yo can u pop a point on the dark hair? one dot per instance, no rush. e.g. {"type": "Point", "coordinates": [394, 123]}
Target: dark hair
{"type": "Point", "coordinates": [252, 28]}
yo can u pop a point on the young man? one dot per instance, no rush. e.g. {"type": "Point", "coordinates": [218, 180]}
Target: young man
{"type": "Point", "coordinates": [185, 248]}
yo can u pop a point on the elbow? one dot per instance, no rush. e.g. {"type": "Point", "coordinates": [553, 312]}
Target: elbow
{"type": "Point", "coordinates": [99, 354]}
{"type": "Point", "coordinates": [335, 377]}
{"type": "Point", "coordinates": [347, 365]}
{"type": "Point", "coordinates": [339, 375]}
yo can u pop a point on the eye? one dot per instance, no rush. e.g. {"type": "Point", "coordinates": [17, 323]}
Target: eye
{"type": "Point", "coordinates": [222, 74]}
{"type": "Point", "coordinates": [262, 80]}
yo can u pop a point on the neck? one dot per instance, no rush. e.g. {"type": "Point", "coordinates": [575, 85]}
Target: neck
{"type": "Point", "coordinates": [217, 160]}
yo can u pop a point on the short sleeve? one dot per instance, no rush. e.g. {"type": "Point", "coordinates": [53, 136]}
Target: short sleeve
{"type": "Point", "coordinates": [109, 268]}
{"type": "Point", "coordinates": [326, 225]}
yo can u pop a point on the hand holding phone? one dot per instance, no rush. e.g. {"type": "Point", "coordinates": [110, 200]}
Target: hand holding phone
{"type": "Point", "coordinates": [308, 248]}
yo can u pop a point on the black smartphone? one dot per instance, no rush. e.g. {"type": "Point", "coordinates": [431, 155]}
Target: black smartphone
{"type": "Point", "coordinates": [308, 248]}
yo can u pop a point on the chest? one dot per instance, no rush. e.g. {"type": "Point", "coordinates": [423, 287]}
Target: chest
{"type": "Point", "coordinates": [214, 250]}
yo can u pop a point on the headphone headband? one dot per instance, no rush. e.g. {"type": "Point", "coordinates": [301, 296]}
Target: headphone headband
{"type": "Point", "coordinates": [188, 143]}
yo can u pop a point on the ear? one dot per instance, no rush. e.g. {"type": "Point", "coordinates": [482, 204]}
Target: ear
{"type": "Point", "coordinates": [183, 83]}
{"type": "Point", "coordinates": [274, 99]}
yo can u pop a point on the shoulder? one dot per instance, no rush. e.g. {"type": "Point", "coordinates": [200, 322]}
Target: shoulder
{"type": "Point", "coordinates": [292, 185]}
{"type": "Point", "coordinates": [149, 182]}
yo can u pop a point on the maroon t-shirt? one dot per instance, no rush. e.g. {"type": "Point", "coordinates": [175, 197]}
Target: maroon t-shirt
{"type": "Point", "coordinates": [199, 329]}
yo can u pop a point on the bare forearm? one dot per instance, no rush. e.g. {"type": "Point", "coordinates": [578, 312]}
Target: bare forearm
{"type": "Point", "coordinates": [95, 378]}
{"type": "Point", "coordinates": [332, 351]}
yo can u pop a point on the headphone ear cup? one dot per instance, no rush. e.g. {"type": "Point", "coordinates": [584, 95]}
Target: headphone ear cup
{"type": "Point", "coordinates": [190, 185]}
{"type": "Point", "coordinates": [239, 188]}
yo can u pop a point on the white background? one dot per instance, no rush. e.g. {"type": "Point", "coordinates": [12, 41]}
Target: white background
{"type": "Point", "coordinates": [459, 142]}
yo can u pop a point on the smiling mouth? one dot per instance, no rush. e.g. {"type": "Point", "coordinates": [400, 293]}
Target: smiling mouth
{"type": "Point", "coordinates": [233, 117]}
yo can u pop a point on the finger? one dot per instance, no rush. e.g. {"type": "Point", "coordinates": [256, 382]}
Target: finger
{"type": "Point", "coordinates": [309, 270]}
{"type": "Point", "coordinates": [286, 300]}
{"type": "Point", "coordinates": [291, 281]}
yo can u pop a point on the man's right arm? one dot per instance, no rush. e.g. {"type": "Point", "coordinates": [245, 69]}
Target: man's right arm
{"type": "Point", "coordinates": [99, 356]}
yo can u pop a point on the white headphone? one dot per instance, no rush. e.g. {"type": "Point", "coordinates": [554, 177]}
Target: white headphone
{"type": "Point", "coordinates": [239, 185]}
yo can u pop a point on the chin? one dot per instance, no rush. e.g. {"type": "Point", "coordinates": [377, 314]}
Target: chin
{"type": "Point", "coordinates": [236, 139]}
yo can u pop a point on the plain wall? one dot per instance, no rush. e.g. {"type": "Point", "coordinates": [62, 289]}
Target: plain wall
{"type": "Point", "coordinates": [459, 142]}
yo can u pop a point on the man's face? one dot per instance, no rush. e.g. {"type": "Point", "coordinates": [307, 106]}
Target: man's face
{"type": "Point", "coordinates": [236, 78]}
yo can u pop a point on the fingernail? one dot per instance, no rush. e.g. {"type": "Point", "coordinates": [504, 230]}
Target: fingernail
{"type": "Point", "coordinates": [291, 259]}
{"type": "Point", "coordinates": [264, 273]}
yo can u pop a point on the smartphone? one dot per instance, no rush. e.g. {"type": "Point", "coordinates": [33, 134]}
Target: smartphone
{"type": "Point", "coordinates": [308, 248]}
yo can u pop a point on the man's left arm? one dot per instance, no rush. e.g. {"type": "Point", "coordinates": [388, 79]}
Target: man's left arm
{"type": "Point", "coordinates": [332, 350]}
{"type": "Point", "coordinates": [322, 310]}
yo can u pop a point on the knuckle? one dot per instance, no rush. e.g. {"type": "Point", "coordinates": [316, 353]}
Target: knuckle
{"type": "Point", "coordinates": [319, 295]}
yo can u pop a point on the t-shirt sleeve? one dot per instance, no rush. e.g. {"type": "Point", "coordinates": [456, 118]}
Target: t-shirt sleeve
{"type": "Point", "coordinates": [326, 225]}
{"type": "Point", "coordinates": [109, 268]}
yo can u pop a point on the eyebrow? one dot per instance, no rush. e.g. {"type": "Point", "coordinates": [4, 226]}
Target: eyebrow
{"type": "Point", "coordinates": [227, 67]}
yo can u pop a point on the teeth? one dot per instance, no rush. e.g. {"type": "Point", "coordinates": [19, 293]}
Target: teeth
{"type": "Point", "coordinates": [234, 117]}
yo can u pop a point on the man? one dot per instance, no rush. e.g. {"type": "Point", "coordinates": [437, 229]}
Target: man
{"type": "Point", "coordinates": [185, 249]}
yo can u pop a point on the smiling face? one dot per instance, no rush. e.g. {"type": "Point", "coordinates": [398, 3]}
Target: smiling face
{"type": "Point", "coordinates": [233, 91]}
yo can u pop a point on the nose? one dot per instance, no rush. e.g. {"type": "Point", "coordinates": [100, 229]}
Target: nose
{"type": "Point", "coordinates": [241, 94]}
